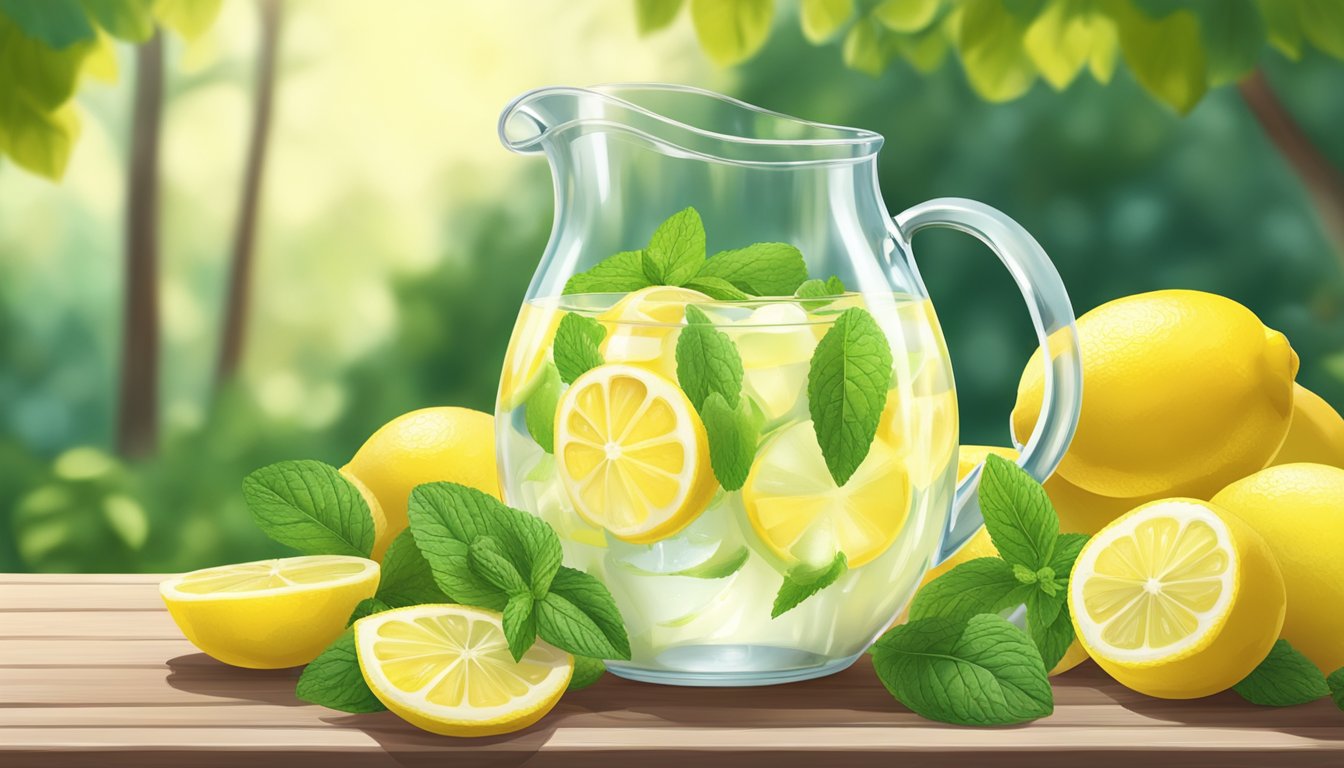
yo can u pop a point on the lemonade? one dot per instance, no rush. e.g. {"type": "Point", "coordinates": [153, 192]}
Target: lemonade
{"type": "Point", "coordinates": [622, 463]}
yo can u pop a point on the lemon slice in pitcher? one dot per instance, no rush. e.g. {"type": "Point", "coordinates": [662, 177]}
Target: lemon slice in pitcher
{"type": "Point", "coordinates": [447, 669]}
{"type": "Point", "coordinates": [798, 511]}
{"type": "Point", "coordinates": [642, 328]}
{"type": "Point", "coordinates": [632, 453]}
{"type": "Point", "coordinates": [1177, 599]}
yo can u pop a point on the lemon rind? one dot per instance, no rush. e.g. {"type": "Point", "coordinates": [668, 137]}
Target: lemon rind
{"type": "Point", "coordinates": [168, 588]}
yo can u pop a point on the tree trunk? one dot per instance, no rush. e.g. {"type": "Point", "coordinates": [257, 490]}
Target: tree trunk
{"type": "Point", "coordinates": [1324, 183]}
{"type": "Point", "coordinates": [138, 418]}
{"type": "Point", "coordinates": [245, 229]}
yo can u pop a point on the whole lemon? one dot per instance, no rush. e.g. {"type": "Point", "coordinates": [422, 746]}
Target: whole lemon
{"type": "Point", "coordinates": [1299, 511]}
{"type": "Point", "coordinates": [1183, 392]}
{"type": "Point", "coordinates": [425, 446]}
{"type": "Point", "coordinates": [1316, 433]}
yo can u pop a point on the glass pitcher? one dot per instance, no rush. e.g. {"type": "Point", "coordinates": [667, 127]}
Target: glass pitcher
{"type": "Point", "coordinates": [694, 413]}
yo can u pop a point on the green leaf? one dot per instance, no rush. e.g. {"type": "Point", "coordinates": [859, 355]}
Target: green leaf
{"type": "Point", "coordinates": [333, 679]}
{"type": "Point", "coordinates": [1018, 514]}
{"type": "Point", "coordinates": [406, 577]}
{"type": "Point", "coordinates": [907, 15]}
{"type": "Point", "coordinates": [1336, 683]}
{"type": "Point", "coordinates": [863, 49]}
{"type": "Point", "coordinates": [1285, 678]}
{"type": "Point", "coordinates": [621, 273]}
{"type": "Point", "coordinates": [577, 350]}
{"type": "Point", "coordinates": [1067, 547]}
{"type": "Point", "coordinates": [925, 51]}
{"type": "Point", "coordinates": [653, 15]}
{"type": "Point", "coordinates": [983, 672]}
{"type": "Point", "coordinates": [1166, 56]}
{"type": "Point", "coordinates": [990, 39]}
{"type": "Point", "coordinates": [367, 607]}
{"type": "Point", "coordinates": [707, 361]}
{"type": "Point", "coordinates": [1323, 24]}
{"type": "Point", "coordinates": [818, 288]}
{"type": "Point", "coordinates": [1049, 626]}
{"type": "Point", "coordinates": [1282, 26]}
{"type": "Point", "coordinates": [188, 18]}
{"type": "Point", "coordinates": [732, 31]}
{"type": "Point", "coordinates": [307, 505]}
{"type": "Point", "coordinates": [587, 671]}
{"type": "Point", "coordinates": [520, 623]}
{"type": "Point", "coordinates": [487, 560]}
{"type": "Point", "coordinates": [1234, 36]}
{"type": "Point", "coordinates": [847, 390]}
{"type": "Point", "coordinates": [55, 23]}
{"type": "Point", "coordinates": [539, 408]}
{"type": "Point", "coordinates": [760, 269]}
{"type": "Point", "coordinates": [676, 250]}
{"type": "Point", "coordinates": [717, 288]}
{"type": "Point", "coordinates": [823, 18]}
{"type": "Point", "coordinates": [1061, 39]}
{"type": "Point", "coordinates": [580, 616]}
{"type": "Point", "coordinates": [802, 582]}
{"type": "Point", "coordinates": [130, 20]}
{"type": "Point", "coordinates": [733, 434]}
{"type": "Point", "coordinates": [982, 585]}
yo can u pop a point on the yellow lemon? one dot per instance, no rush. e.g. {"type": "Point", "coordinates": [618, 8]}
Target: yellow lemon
{"type": "Point", "coordinates": [1185, 392]}
{"type": "Point", "coordinates": [425, 446]}
{"type": "Point", "coordinates": [1299, 510]}
{"type": "Point", "coordinates": [1316, 433]}
{"type": "Point", "coordinates": [381, 540]}
{"type": "Point", "coordinates": [797, 510]}
{"type": "Point", "coordinates": [528, 350]}
{"type": "Point", "coordinates": [632, 453]}
{"type": "Point", "coordinates": [269, 614]}
{"type": "Point", "coordinates": [1177, 599]}
{"type": "Point", "coordinates": [642, 328]}
{"type": "Point", "coordinates": [447, 669]}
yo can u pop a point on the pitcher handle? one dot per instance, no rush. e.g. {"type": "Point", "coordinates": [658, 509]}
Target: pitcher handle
{"type": "Point", "coordinates": [1051, 313]}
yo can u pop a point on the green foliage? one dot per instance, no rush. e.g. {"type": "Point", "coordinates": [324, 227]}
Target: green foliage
{"type": "Point", "coordinates": [1176, 49]}
{"type": "Point", "coordinates": [847, 384]}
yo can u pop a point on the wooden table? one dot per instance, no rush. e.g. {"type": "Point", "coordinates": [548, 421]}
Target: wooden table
{"type": "Point", "coordinates": [93, 672]}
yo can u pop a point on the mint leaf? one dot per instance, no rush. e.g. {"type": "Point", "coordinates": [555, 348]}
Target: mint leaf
{"type": "Point", "coordinates": [367, 607]}
{"type": "Point", "coordinates": [983, 672]}
{"type": "Point", "coordinates": [1285, 678]}
{"type": "Point", "coordinates": [677, 249]}
{"type": "Point", "coordinates": [587, 671]}
{"type": "Point", "coordinates": [333, 679]}
{"type": "Point", "coordinates": [580, 616]}
{"type": "Point", "coordinates": [802, 582]}
{"type": "Point", "coordinates": [847, 390]}
{"type": "Point", "coordinates": [982, 585]}
{"type": "Point", "coordinates": [761, 269]}
{"type": "Point", "coordinates": [520, 624]}
{"type": "Point", "coordinates": [715, 568]}
{"type": "Point", "coordinates": [1067, 547]}
{"type": "Point", "coordinates": [1049, 626]}
{"type": "Point", "coordinates": [717, 288]}
{"type": "Point", "coordinates": [1336, 683]}
{"type": "Point", "coordinates": [539, 409]}
{"type": "Point", "coordinates": [487, 560]}
{"type": "Point", "coordinates": [1019, 516]}
{"type": "Point", "coordinates": [707, 360]}
{"type": "Point", "coordinates": [307, 505]}
{"type": "Point", "coordinates": [733, 434]}
{"type": "Point", "coordinates": [621, 273]}
{"type": "Point", "coordinates": [406, 578]}
{"type": "Point", "coordinates": [577, 347]}
{"type": "Point", "coordinates": [820, 289]}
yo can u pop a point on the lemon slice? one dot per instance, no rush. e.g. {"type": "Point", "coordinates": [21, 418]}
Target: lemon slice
{"type": "Point", "coordinates": [642, 327]}
{"type": "Point", "coordinates": [632, 453]}
{"type": "Point", "coordinates": [447, 669]}
{"type": "Point", "coordinates": [1177, 599]}
{"type": "Point", "coordinates": [797, 510]}
{"type": "Point", "coordinates": [529, 347]}
{"type": "Point", "coordinates": [272, 613]}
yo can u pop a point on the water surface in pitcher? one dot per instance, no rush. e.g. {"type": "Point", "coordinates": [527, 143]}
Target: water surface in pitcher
{"type": "Point", "coordinates": [618, 462]}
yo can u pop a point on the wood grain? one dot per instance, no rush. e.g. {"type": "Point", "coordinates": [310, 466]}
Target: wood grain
{"type": "Point", "coordinates": [92, 670]}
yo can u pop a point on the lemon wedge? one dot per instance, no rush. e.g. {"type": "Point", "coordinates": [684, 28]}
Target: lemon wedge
{"type": "Point", "coordinates": [642, 328]}
{"type": "Point", "coordinates": [799, 512]}
{"type": "Point", "coordinates": [269, 614]}
{"type": "Point", "coordinates": [1177, 599]}
{"type": "Point", "coordinates": [447, 669]}
{"type": "Point", "coordinates": [528, 350]}
{"type": "Point", "coordinates": [632, 453]}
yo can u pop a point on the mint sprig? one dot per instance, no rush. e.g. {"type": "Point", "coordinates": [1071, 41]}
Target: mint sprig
{"type": "Point", "coordinates": [733, 432]}
{"type": "Point", "coordinates": [676, 250]}
{"type": "Point", "coordinates": [333, 679]}
{"type": "Point", "coordinates": [802, 582]}
{"type": "Point", "coordinates": [406, 578]}
{"type": "Point", "coordinates": [1018, 515]}
{"type": "Point", "coordinates": [707, 361]}
{"type": "Point", "coordinates": [307, 505]}
{"type": "Point", "coordinates": [817, 288]}
{"type": "Point", "coordinates": [1285, 678]}
{"type": "Point", "coordinates": [847, 385]}
{"type": "Point", "coordinates": [577, 346]}
{"type": "Point", "coordinates": [760, 269]}
{"type": "Point", "coordinates": [621, 273]}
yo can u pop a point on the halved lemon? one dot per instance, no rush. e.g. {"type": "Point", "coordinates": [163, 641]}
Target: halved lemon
{"type": "Point", "coordinates": [1177, 599]}
{"type": "Point", "coordinates": [799, 512]}
{"type": "Point", "coordinates": [447, 669]}
{"type": "Point", "coordinates": [529, 347]}
{"type": "Point", "coordinates": [642, 328]}
{"type": "Point", "coordinates": [632, 453]}
{"type": "Point", "coordinates": [271, 613]}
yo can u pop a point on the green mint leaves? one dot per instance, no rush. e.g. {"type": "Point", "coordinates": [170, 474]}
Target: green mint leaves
{"type": "Point", "coordinates": [1018, 514]}
{"type": "Point", "coordinates": [493, 556]}
{"type": "Point", "coordinates": [587, 671]}
{"type": "Point", "coordinates": [333, 679]}
{"type": "Point", "coordinates": [307, 505]}
{"type": "Point", "coordinates": [577, 349]}
{"type": "Point", "coordinates": [820, 289]}
{"type": "Point", "coordinates": [803, 582]}
{"type": "Point", "coordinates": [709, 371]}
{"type": "Point", "coordinates": [847, 390]}
{"type": "Point", "coordinates": [539, 408]}
{"type": "Point", "coordinates": [1285, 678]}
{"type": "Point", "coordinates": [980, 672]}
{"type": "Point", "coordinates": [1336, 683]}
{"type": "Point", "coordinates": [733, 432]}
{"type": "Point", "coordinates": [675, 255]}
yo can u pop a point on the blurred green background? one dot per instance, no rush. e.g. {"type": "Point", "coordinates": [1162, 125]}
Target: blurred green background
{"type": "Point", "coordinates": [396, 236]}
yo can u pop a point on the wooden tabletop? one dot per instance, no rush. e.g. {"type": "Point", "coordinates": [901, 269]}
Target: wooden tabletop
{"type": "Point", "coordinates": [93, 672]}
